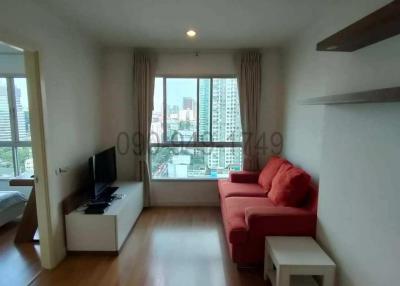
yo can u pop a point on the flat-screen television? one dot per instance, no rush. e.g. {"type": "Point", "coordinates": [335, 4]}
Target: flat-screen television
{"type": "Point", "coordinates": [102, 171]}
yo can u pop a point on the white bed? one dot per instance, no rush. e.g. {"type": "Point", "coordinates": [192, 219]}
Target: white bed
{"type": "Point", "coordinates": [12, 205]}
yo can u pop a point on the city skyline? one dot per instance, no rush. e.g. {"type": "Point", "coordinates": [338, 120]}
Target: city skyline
{"type": "Point", "coordinates": [14, 160]}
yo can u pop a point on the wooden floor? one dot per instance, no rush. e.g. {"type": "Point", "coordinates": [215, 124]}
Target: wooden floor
{"type": "Point", "coordinates": [20, 264]}
{"type": "Point", "coordinates": [168, 247]}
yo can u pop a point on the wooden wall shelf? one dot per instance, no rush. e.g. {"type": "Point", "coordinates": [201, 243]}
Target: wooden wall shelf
{"type": "Point", "coordinates": [378, 95]}
{"type": "Point", "coordinates": [378, 26]}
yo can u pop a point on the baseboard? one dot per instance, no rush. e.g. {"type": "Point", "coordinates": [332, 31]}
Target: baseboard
{"type": "Point", "coordinates": [185, 204]}
{"type": "Point", "coordinates": [111, 253]}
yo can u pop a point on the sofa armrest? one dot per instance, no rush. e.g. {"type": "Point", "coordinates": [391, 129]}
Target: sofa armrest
{"type": "Point", "coordinates": [280, 221]}
{"type": "Point", "coordinates": [244, 177]}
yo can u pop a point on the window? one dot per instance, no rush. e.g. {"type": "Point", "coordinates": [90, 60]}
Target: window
{"type": "Point", "coordinates": [15, 135]}
{"type": "Point", "coordinates": [196, 130]}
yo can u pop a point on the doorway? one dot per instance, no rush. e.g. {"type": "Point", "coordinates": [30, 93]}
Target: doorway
{"type": "Point", "coordinates": [23, 171]}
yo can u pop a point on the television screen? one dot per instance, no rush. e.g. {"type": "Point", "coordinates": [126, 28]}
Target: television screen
{"type": "Point", "coordinates": [103, 171]}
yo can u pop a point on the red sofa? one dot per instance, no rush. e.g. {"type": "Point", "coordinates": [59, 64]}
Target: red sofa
{"type": "Point", "coordinates": [249, 215]}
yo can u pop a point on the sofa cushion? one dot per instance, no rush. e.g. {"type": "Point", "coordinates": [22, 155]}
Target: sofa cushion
{"type": "Point", "coordinates": [247, 177]}
{"type": "Point", "coordinates": [234, 215]}
{"type": "Point", "coordinates": [269, 171]}
{"type": "Point", "coordinates": [229, 189]}
{"type": "Point", "coordinates": [289, 186]}
{"type": "Point", "coordinates": [311, 200]}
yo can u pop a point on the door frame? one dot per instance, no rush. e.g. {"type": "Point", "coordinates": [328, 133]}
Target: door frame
{"type": "Point", "coordinates": [37, 121]}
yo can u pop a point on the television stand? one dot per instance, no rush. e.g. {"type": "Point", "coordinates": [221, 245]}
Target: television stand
{"type": "Point", "coordinates": [108, 231]}
{"type": "Point", "coordinates": [97, 207]}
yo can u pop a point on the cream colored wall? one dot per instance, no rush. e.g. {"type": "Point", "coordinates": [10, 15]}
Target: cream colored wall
{"type": "Point", "coordinates": [71, 78]}
{"type": "Point", "coordinates": [352, 150]}
{"type": "Point", "coordinates": [119, 106]}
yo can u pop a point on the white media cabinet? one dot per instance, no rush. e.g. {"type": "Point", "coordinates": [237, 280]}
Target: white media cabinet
{"type": "Point", "coordinates": [105, 232]}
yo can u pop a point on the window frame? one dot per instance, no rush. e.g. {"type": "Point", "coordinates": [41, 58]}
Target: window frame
{"type": "Point", "coordinates": [15, 143]}
{"type": "Point", "coordinates": [192, 143]}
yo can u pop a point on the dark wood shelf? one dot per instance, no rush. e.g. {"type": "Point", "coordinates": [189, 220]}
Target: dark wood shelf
{"type": "Point", "coordinates": [378, 95]}
{"type": "Point", "coordinates": [377, 26]}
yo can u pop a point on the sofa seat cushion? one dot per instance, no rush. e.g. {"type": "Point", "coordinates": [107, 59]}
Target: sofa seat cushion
{"type": "Point", "coordinates": [229, 189]}
{"type": "Point", "coordinates": [269, 171]}
{"type": "Point", "coordinates": [234, 209]}
{"type": "Point", "coordinates": [290, 186]}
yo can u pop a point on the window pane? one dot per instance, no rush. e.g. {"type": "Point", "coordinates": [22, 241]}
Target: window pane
{"type": "Point", "coordinates": [204, 109]}
{"type": "Point", "coordinates": [226, 125]}
{"type": "Point", "coordinates": [157, 130]}
{"type": "Point", "coordinates": [5, 124]}
{"type": "Point", "coordinates": [6, 162]}
{"type": "Point", "coordinates": [25, 161]}
{"type": "Point", "coordinates": [201, 163]}
{"type": "Point", "coordinates": [181, 109]}
{"type": "Point", "coordinates": [22, 109]}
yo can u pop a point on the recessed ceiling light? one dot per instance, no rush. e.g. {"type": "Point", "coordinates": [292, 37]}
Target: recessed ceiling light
{"type": "Point", "coordinates": [191, 33]}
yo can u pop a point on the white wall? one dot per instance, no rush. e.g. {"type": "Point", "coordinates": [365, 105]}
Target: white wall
{"type": "Point", "coordinates": [118, 104]}
{"type": "Point", "coordinates": [359, 204]}
{"type": "Point", "coordinates": [271, 104]}
{"type": "Point", "coordinates": [71, 75]}
{"type": "Point", "coordinates": [188, 63]}
{"type": "Point", "coordinates": [12, 64]}
{"type": "Point", "coordinates": [310, 74]}
{"type": "Point", "coordinates": [351, 149]}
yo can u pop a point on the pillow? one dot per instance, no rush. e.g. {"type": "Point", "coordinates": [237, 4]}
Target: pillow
{"type": "Point", "coordinates": [269, 172]}
{"type": "Point", "coordinates": [290, 186]}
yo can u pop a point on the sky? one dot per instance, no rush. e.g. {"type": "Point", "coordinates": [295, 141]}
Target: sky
{"type": "Point", "coordinates": [177, 89]}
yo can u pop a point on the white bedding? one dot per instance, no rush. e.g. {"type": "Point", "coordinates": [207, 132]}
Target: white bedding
{"type": "Point", "coordinates": [8, 199]}
{"type": "Point", "coordinates": [12, 205]}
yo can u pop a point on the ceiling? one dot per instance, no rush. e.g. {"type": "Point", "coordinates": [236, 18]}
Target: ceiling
{"type": "Point", "coordinates": [163, 23]}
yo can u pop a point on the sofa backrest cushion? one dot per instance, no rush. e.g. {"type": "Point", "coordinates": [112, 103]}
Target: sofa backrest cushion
{"type": "Point", "coordinates": [311, 200]}
{"type": "Point", "coordinates": [270, 170]}
{"type": "Point", "coordinates": [290, 186]}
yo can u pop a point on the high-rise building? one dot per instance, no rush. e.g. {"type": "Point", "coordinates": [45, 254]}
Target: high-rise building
{"type": "Point", "coordinates": [24, 132]}
{"type": "Point", "coordinates": [188, 103]}
{"type": "Point", "coordinates": [5, 124]}
{"type": "Point", "coordinates": [226, 125]}
{"type": "Point", "coordinates": [204, 110]}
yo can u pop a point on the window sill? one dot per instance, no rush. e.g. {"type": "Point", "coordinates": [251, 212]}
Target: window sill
{"type": "Point", "coordinates": [187, 180]}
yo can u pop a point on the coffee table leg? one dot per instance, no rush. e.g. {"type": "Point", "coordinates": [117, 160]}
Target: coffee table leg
{"type": "Point", "coordinates": [329, 278]}
{"type": "Point", "coordinates": [268, 266]}
{"type": "Point", "coordinates": [282, 277]}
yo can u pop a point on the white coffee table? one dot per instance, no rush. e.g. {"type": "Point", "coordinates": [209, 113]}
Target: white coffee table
{"type": "Point", "coordinates": [299, 257]}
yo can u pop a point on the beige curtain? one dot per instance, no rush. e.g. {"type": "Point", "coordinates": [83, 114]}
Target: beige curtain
{"type": "Point", "coordinates": [250, 91]}
{"type": "Point", "coordinates": [143, 86]}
